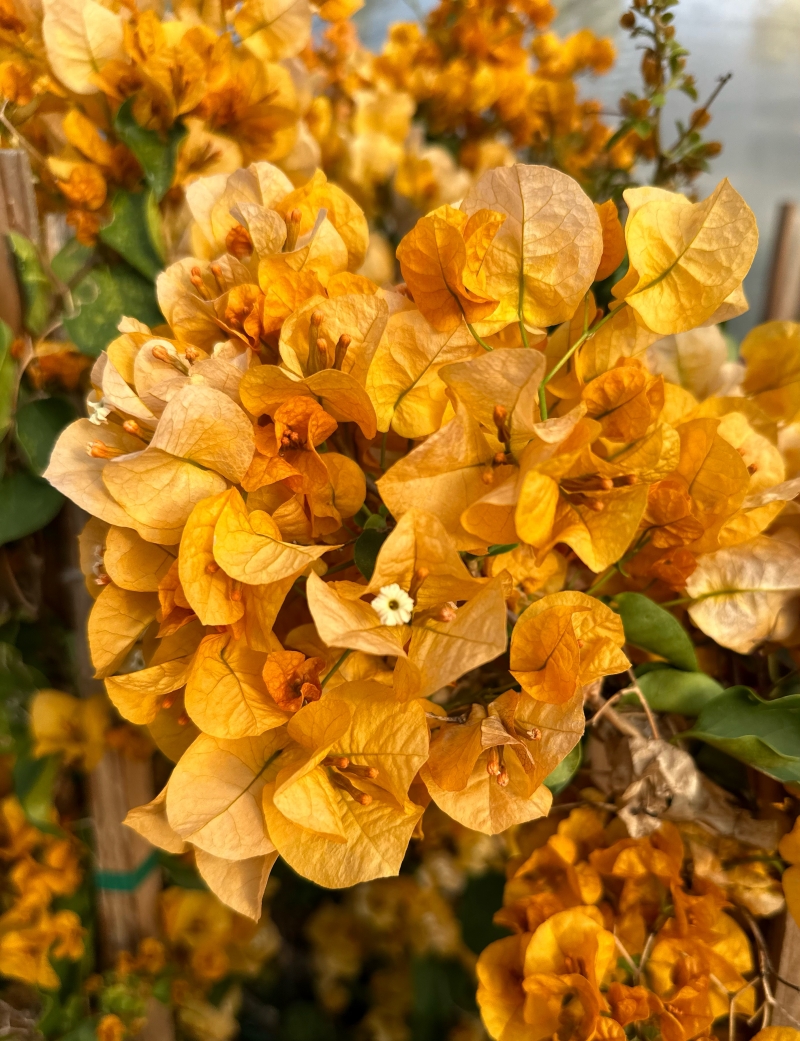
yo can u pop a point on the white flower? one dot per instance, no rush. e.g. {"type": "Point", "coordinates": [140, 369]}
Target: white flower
{"type": "Point", "coordinates": [98, 411]}
{"type": "Point", "coordinates": [393, 605]}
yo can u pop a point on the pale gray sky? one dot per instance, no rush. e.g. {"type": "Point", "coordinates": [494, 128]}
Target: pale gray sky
{"type": "Point", "coordinates": [757, 116]}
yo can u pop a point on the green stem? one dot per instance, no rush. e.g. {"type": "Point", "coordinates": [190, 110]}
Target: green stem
{"type": "Point", "coordinates": [335, 668]}
{"type": "Point", "coordinates": [601, 580]}
{"type": "Point", "coordinates": [523, 333]}
{"type": "Point", "coordinates": [483, 343]}
{"type": "Point", "coordinates": [340, 567]}
{"type": "Point", "coordinates": [542, 402]}
{"type": "Point", "coordinates": [563, 361]}
{"type": "Point", "coordinates": [676, 603]}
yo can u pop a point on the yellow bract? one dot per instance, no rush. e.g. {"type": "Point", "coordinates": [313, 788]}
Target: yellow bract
{"type": "Point", "coordinates": [543, 258]}
{"type": "Point", "coordinates": [689, 257]}
{"type": "Point", "coordinates": [563, 642]}
{"type": "Point", "coordinates": [443, 263]}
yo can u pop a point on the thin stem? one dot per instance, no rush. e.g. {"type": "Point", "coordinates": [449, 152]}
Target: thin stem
{"type": "Point", "coordinates": [542, 401]}
{"type": "Point", "coordinates": [651, 719]}
{"type": "Point", "coordinates": [340, 567]}
{"type": "Point", "coordinates": [563, 361]}
{"type": "Point", "coordinates": [696, 118]}
{"type": "Point", "coordinates": [15, 134]}
{"type": "Point", "coordinates": [606, 706]}
{"type": "Point", "coordinates": [601, 580]}
{"type": "Point", "coordinates": [676, 603]}
{"type": "Point", "coordinates": [483, 343]}
{"type": "Point", "coordinates": [335, 668]}
{"type": "Point", "coordinates": [524, 334]}
{"type": "Point", "coordinates": [648, 947]}
{"type": "Point", "coordinates": [627, 957]}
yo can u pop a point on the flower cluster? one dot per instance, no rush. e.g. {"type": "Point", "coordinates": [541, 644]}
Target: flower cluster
{"type": "Point", "coordinates": [484, 73]}
{"type": "Point", "coordinates": [467, 89]}
{"type": "Point", "coordinates": [612, 932]}
{"type": "Point", "coordinates": [38, 869]}
{"type": "Point", "coordinates": [230, 463]}
{"type": "Point", "coordinates": [107, 97]}
{"type": "Point", "coordinates": [204, 945]}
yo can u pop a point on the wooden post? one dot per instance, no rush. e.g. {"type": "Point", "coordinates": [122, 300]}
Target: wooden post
{"type": "Point", "coordinates": [783, 292]}
{"type": "Point", "coordinates": [117, 784]}
{"type": "Point", "coordinates": [17, 213]}
{"type": "Point", "coordinates": [783, 303]}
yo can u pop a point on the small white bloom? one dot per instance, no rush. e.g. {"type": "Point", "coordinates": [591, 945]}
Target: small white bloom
{"type": "Point", "coordinates": [98, 411]}
{"type": "Point", "coordinates": [393, 605]}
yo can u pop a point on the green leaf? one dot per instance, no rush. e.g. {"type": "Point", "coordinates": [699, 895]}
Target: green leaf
{"type": "Point", "coordinates": [128, 233]}
{"type": "Point", "coordinates": [70, 260]}
{"type": "Point", "coordinates": [27, 503]}
{"type": "Point", "coordinates": [653, 629]}
{"type": "Point", "coordinates": [104, 296]}
{"type": "Point", "coordinates": [85, 1032]}
{"type": "Point", "coordinates": [156, 154]}
{"type": "Point", "coordinates": [366, 549]}
{"type": "Point", "coordinates": [17, 683]}
{"type": "Point", "coordinates": [155, 227]}
{"type": "Point", "coordinates": [375, 522]}
{"type": "Point", "coordinates": [179, 873]}
{"type": "Point", "coordinates": [764, 734]}
{"type": "Point", "coordinates": [8, 377]}
{"type": "Point", "coordinates": [560, 778]}
{"type": "Point", "coordinates": [17, 678]}
{"type": "Point", "coordinates": [786, 685]}
{"type": "Point", "coordinates": [38, 424]}
{"type": "Point", "coordinates": [481, 898]}
{"type": "Point", "coordinates": [672, 690]}
{"type": "Point", "coordinates": [34, 780]}
{"type": "Point", "coordinates": [496, 550]}
{"type": "Point", "coordinates": [37, 292]}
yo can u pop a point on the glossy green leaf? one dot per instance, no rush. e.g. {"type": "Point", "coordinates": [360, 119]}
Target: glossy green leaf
{"type": "Point", "coordinates": [103, 296]}
{"type": "Point", "coordinates": [673, 690]}
{"type": "Point", "coordinates": [38, 424]}
{"type": "Point", "coordinates": [37, 293]}
{"type": "Point", "coordinates": [655, 630]}
{"type": "Point", "coordinates": [8, 377]}
{"type": "Point", "coordinates": [129, 234]}
{"type": "Point", "coordinates": [559, 778]}
{"type": "Point", "coordinates": [763, 734]}
{"type": "Point", "coordinates": [157, 154]}
{"type": "Point", "coordinates": [366, 550]}
{"type": "Point", "coordinates": [70, 260]}
{"type": "Point", "coordinates": [27, 503]}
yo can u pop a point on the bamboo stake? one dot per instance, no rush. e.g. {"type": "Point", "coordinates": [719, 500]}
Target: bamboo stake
{"type": "Point", "coordinates": [118, 783]}
{"type": "Point", "coordinates": [17, 213]}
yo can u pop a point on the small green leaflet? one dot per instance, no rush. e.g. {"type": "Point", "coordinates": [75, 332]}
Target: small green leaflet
{"type": "Point", "coordinates": [157, 156]}
{"type": "Point", "coordinates": [103, 296]}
